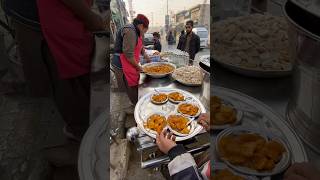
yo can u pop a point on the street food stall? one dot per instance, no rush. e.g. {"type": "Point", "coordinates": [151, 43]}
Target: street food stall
{"type": "Point", "coordinates": [263, 103]}
{"type": "Point", "coordinates": [165, 95]}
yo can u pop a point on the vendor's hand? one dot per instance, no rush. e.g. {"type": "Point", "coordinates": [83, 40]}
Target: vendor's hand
{"type": "Point", "coordinates": [165, 141]}
{"type": "Point", "coordinates": [204, 120]}
{"type": "Point", "coordinates": [139, 68]}
{"type": "Point", "coordinates": [302, 171]}
{"type": "Point", "coordinates": [148, 59]}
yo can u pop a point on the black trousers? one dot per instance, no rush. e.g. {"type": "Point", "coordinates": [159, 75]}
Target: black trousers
{"type": "Point", "coordinates": [72, 97]}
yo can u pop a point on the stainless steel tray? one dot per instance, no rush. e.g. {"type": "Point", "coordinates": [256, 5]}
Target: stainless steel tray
{"type": "Point", "coordinates": [145, 108]}
{"type": "Point", "coordinates": [253, 72]}
{"type": "Point", "coordinates": [272, 121]}
{"type": "Point", "coordinates": [217, 166]}
{"type": "Point", "coordinates": [156, 64]}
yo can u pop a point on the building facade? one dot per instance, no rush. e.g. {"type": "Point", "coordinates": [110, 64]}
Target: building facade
{"type": "Point", "coordinates": [199, 14]}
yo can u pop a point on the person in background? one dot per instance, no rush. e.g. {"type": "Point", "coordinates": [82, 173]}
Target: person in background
{"type": "Point", "coordinates": [24, 18]}
{"type": "Point", "coordinates": [157, 43]}
{"type": "Point", "coordinates": [190, 42]}
{"type": "Point", "coordinates": [170, 38]}
{"type": "Point", "coordinates": [128, 47]}
{"type": "Point", "coordinates": [180, 37]}
{"type": "Point", "coordinates": [67, 26]}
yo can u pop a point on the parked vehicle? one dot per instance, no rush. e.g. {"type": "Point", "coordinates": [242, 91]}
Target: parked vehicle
{"type": "Point", "coordinates": [148, 39]}
{"type": "Point", "coordinates": [203, 34]}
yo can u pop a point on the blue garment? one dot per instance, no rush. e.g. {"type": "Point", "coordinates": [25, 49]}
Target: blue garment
{"type": "Point", "coordinates": [116, 61]}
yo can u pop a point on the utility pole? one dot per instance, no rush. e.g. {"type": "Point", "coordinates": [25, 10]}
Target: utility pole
{"type": "Point", "coordinates": [131, 12]}
{"type": "Point", "coordinates": [167, 7]}
{"type": "Point", "coordinates": [152, 19]}
{"type": "Point", "coordinates": [167, 18]}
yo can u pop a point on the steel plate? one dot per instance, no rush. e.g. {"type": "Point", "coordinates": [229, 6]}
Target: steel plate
{"type": "Point", "coordinates": [253, 72]}
{"type": "Point", "coordinates": [274, 122]}
{"type": "Point", "coordinates": [145, 108]}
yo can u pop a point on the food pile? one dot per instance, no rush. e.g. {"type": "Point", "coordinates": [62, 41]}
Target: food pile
{"type": "Point", "coordinates": [190, 75]}
{"type": "Point", "coordinates": [159, 98]}
{"type": "Point", "coordinates": [175, 52]}
{"type": "Point", "coordinates": [156, 123]}
{"type": "Point", "coordinates": [179, 123]}
{"type": "Point", "coordinates": [158, 69]}
{"type": "Point", "coordinates": [251, 150]}
{"type": "Point", "coordinates": [188, 109]}
{"type": "Point", "coordinates": [257, 42]}
{"type": "Point", "coordinates": [225, 174]}
{"type": "Point", "coordinates": [176, 96]}
{"type": "Point", "coordinates": [221, 114]}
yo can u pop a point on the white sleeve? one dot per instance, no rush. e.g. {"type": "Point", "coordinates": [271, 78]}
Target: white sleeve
{"type": "Point", "coordinates": [180, 163]}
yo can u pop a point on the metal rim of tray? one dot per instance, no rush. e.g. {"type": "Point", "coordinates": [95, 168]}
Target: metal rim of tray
{"type": "Point", "coordinates": [234, 105]}
{"type": "Point", "coordinates": [298, 153]}
{"type": "Point", "coordinates": [220, 166]}
{"type": "Point", "coordinates": [251, 72]}
{"type": "Point", "coordinates": [146, 97]}
{"type": "Point", "coordinates": [87, 160]}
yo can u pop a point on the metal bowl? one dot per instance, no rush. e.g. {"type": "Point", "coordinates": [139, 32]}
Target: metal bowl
{"type": "Point", "coordinates": [194, 104]}
{"type": "Point", "coordinates": [236, 107]}
{"type": "Point", "coordinates": [191, 127]}
{"type": "Point", "coordinates": [156, 64]}
{"type": "Point", "coordinates": [281, 166]}
{"type": "Point", "coordinates": [152, 131]}
{"type": "Point", "coordinates": [158, 103]}
{"type": "Point", "coordinates": [176, 102]}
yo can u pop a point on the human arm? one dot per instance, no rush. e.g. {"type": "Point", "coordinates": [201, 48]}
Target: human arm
{"type": "Point", "coordinates": [145, 55]}
{"type": "Point", "coordinates": [128, 46]}
{"type": "Point", "coordinates": [204, 120]}
{"type": "Point", "coordinates": [182, 165]}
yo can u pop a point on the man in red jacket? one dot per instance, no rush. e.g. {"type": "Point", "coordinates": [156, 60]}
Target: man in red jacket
{"type": "Point", "coordinates": [67, 27]}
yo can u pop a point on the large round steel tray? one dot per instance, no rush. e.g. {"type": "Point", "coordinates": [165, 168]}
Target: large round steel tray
{"type": "Point", "coordinates": [94, 151]}
{"type": "Point", "coordinates": [253, 72]}
{"type": "Point", "coordinates": [145, 108]}
{"type": "Point", "coordinates": [273, 122]}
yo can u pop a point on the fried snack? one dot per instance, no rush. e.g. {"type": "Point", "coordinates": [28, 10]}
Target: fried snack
{"type": "Point", "coordinates": [179, 123]}
{"type": "Point", "coordinates": [156, 53]}
{"type": "Point", "coordinates": [251, 150]}
{"type": "Point", "coordinates": [159, 98]}
{"type": "Point", "coordinates": [189, 75]}
{"type": "Point", "coordinates": [222, 114]}
{"type": "Point", "coordinates": [225, 174]}
{"type": "Point", "coordinates": [158, 69]}
{"type": "Point", "coordinates": [176, 96]}
{"type": "Point", "coordinates": [258, 42]}
{"type": "Point", "coordinates": [188, 109]}
{"type": "Point", "coordinates": [156, 123]}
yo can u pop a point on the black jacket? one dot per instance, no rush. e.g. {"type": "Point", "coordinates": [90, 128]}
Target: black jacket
{"type": "Point", "coordinates": [194, 44]}
{"type": "Point", "coordinates": [157, 45]}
